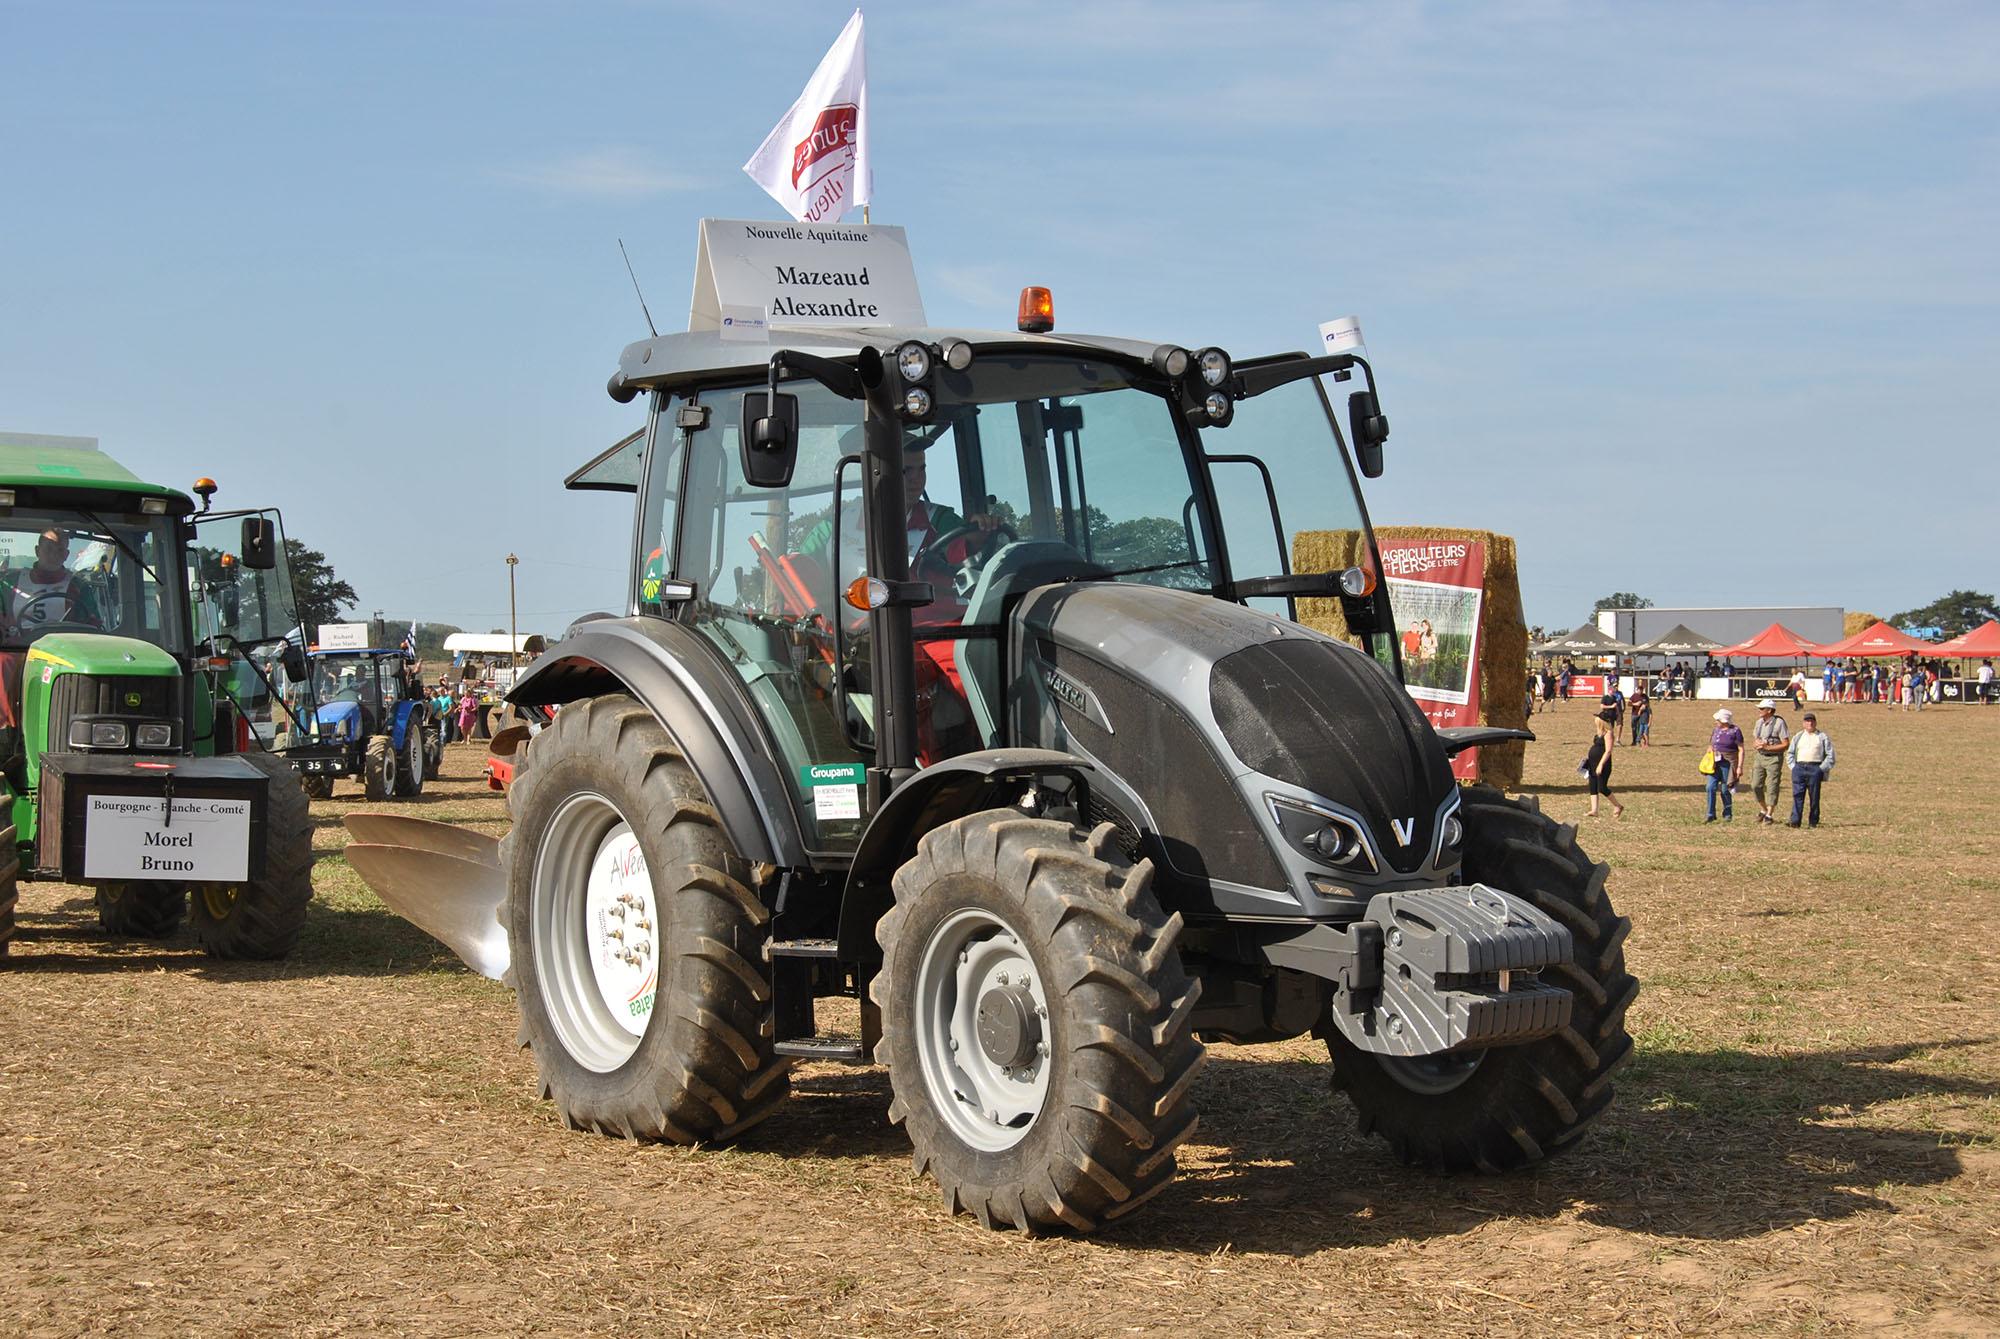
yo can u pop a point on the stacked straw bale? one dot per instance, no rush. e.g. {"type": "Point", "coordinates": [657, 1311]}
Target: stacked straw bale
{"type": "Point", "coordinates": [1503, 632]}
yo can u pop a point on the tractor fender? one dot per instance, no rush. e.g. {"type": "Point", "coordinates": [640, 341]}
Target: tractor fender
{"type": "Point", "coordinates": [933, 797]}
{"type": "Point", "coordinates": [401, 724]}
{"type": "Point", "coordinates": [700, 701]}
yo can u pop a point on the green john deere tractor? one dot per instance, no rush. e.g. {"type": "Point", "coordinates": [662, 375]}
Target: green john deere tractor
{"type": "Point", "coordinates": [139, 636]}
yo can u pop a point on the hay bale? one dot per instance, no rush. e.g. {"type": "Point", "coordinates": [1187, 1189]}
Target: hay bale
{"type": "Point", "coordinates": [1503, 632]}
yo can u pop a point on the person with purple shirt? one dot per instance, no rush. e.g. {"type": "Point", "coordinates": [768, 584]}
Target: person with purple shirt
{"type": "Point", "coordinates": [1726, 743]}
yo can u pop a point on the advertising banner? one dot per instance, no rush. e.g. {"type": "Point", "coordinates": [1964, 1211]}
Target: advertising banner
{"type": "Point", "coordinates": [1436, 588]}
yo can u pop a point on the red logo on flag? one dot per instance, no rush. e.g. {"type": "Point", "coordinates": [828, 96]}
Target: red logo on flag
{"type": "Point", "coordinates": [832, 133]}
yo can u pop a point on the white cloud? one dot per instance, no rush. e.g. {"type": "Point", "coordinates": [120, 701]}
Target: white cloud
{"type": "Point", "coordinates": [620, 173]}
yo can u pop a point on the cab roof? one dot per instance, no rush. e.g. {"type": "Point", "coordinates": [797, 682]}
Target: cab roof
{"type": "Point", "coordinates": [667, 360]}
{"type": "Point", "coordinates": [73, 463]}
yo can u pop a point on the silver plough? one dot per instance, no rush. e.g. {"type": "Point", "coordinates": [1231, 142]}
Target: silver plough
{"type": "Point", "coordinates": [445, 880]}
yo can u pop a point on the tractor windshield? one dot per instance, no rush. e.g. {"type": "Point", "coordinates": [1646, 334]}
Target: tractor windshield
{"type": "Point", "coordinates": [76, 572]}
{"type": "Point", "coordinates": [1280, 473]}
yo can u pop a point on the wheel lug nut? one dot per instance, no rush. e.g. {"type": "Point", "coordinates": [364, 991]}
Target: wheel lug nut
{"type": "Point", "coordinates": [1002, 978]}
{"type": "Point", "coordinates": [954, 1045]}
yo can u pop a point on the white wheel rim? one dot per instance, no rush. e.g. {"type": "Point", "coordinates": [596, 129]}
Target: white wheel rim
{"type": "Point", "coordinates": [596, 932]}
{"type": "Point", "coordinates": [988, 1104]}
{"type": "Point", "coordinates": [415, 762]}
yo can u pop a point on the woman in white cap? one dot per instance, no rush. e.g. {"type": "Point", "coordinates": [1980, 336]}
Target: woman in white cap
{"type": "Point", "coordinates": [1726, 743]}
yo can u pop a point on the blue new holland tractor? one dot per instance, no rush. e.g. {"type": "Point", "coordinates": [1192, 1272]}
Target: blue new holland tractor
{"type": "Point", "coordinates": [372, 722]}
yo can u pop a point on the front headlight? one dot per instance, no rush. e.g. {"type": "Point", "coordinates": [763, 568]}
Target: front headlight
{"type": "Point", "coordinates": [109, 734]}
{"type": "Point", "coordinates": [1454, 832]}
{"type": "Point", "coordinates": [155, 735]}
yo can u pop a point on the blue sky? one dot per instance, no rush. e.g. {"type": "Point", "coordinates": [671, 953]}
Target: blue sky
{"type": "Point", "coordinates": [1694, 300]}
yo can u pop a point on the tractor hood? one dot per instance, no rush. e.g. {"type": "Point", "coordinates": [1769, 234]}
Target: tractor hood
{"type": "Point", "coordinates": [1208, 709]}
{"type": "Point", "coordinates": [340, 720]}
{"type": "Point", "coordinates": [100, 653]}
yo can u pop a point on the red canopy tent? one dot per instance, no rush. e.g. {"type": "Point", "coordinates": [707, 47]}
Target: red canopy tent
{"type": "Point", "coordinates": [1776, 642]}
{"type": "Point", "coordinates": [1880, 640]}
{"type": "Point", "coordinates": [1983, 640]}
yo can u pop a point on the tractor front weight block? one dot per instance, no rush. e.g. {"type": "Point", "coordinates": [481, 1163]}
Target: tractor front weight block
{"type": "Point", "coordinates": [1431, 971]}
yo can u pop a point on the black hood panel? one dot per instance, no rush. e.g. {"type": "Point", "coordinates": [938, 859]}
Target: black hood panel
{"type": "Point", "coordinates": [1335, 722]}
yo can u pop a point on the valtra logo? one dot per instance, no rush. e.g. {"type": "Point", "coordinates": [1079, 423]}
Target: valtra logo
{"type": "Point", "coordinates": [831, 136]}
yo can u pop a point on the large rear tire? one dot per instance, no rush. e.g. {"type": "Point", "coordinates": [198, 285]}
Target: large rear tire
{"type": "Point", "coordinates": [638, 936]}
{"type": "Point", "coordinates": [262, 920]}
{"type": "Point", "coordinates": [142, 910]}
{"type": "Point", "coordinates": [1512, 1105]}
{"type": "Point", "coordinates": [1035, 1022]}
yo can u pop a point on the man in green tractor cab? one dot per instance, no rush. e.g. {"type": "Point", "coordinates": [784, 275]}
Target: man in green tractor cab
{"type": "Point", "coordinates": [45, 595]}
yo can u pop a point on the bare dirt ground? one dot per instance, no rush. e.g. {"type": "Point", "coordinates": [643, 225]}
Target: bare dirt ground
{"type": "Point", "coordinates": [1808, 1140]}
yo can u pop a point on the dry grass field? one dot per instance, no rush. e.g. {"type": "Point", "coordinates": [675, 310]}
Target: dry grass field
{"type": "Point", "coordinates": [1807, 1141]}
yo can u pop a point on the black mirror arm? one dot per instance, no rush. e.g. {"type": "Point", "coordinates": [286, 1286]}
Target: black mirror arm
{"type": "Point", "coordinates": [839, 378]}
{"type": "Point", "coordinates": [1254, 381]}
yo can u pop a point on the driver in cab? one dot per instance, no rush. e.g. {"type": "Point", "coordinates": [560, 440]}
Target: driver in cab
{"type": "Point", "coordinates": [927, 523]}
{"type": "Point", "coordinates": [46, 594]}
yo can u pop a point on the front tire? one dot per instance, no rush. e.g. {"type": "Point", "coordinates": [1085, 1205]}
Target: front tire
{"type": "Point", "coordinates": [637, 935]}
{"type": "Point", "coordinates": [1035, 1022]}
{"type": "Point", "coordinates": [262, 919]}
{"type": "Point", "coordinates": [1512, 1105]}
{"type": "Point", "coordinates": [378, 768]}
{"type": "Point", "coordinates": [410, 767]}
{"type": "Point", "coordinates": [142, 910]}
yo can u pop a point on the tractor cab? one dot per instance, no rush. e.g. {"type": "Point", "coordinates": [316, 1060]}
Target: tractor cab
{"type": "Point", "coordinates": [908, 533]}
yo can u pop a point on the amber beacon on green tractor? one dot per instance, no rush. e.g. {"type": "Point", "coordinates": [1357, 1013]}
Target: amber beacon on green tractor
{"type": "Point", "coordinates": [146, 645]}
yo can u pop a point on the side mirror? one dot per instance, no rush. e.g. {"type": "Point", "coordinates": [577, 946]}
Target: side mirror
{"type": "Point", "coordinates": [260, 543]}
{"type": "Point", "coordinates": [770, 439]}
{"type": "Point", "coordinates": [232, 606]}
{"type": "Point", "coordinates": [293, 659]}
{"type": "Point", "coordinates": [1368, 429]}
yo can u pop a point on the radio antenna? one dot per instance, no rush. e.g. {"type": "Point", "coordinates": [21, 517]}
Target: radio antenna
{"type": "Point", "coordinates": [635, 288]}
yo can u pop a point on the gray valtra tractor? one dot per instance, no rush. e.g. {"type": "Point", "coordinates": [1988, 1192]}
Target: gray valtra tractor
{"type": "Point", "coordinates": [959, 677]}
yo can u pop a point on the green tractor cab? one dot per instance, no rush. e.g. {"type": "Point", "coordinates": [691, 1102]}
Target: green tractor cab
{"type": "Point", "coordinates": [139, 633]}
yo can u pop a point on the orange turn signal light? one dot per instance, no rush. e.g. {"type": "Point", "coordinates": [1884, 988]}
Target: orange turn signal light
{"type": "Point", "coordinates": [229, 560]}
{"type": "Point", "coordinates": [204, 486]}
{"type": "Point", "coordinates": [1038, 311]}
{"type": "Point", "coordinates": [857, 593]}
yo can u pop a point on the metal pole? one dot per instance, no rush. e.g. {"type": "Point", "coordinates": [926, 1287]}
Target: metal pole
{"type": "Point", "coordinates": [513, 637]}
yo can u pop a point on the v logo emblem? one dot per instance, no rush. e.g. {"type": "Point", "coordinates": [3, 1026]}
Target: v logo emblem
{"type": "Point", "coordinates": [1403, 827]}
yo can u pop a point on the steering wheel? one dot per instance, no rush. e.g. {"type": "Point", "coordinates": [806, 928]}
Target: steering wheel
{"type": "Point", "coordinates": [936, 550]}
{"type": "Point", "coordinates": [28, 615]}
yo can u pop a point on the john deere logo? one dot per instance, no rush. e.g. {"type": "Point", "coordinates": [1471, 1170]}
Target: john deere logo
{"type": "Point", "coordinates": [132, 699]}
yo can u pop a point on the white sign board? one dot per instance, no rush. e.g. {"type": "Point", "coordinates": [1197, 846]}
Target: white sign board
{"type": "Point", "coordinates": [801, 274]}
{"type": "Point", "coordinates": [135, 837]}
{"type": "Point", "coordinates": [343, 636]}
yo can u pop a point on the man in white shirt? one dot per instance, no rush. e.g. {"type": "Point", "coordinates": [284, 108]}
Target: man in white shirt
{"type": "Point", "coordinates": [1811, 756]}
{"type": "Point", "coordinates": [1986, 682]}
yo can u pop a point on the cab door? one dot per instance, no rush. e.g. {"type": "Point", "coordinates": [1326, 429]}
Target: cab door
{"type": "Point", "coordinates": [244, 616]}
{"type": "Point", "coordinates": [755, 572]}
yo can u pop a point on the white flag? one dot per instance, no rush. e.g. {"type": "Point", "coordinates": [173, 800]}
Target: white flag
{"type": "Point", "coordinates": [815, 163]}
